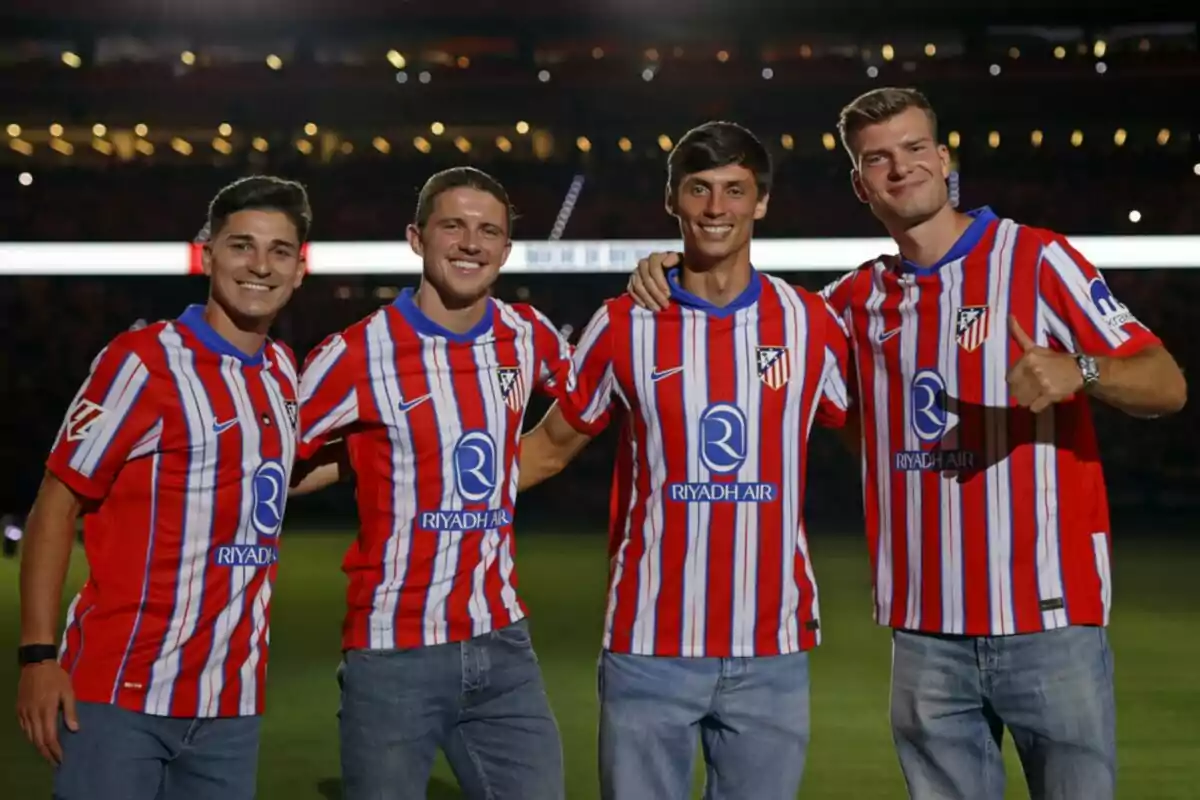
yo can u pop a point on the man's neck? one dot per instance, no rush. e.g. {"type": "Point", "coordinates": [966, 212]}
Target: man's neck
{"type": "Point", "coordinates": [247, 337]}
{"type": "Point", "coordinates": [718, 283]}
{"type": "Point", "coordinates": [928, 242]}
{"type": "Point", "coordinates": [454, 318]}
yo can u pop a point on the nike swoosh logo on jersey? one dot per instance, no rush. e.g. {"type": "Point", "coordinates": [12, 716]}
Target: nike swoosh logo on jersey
{"type": "Point", "coordinates": [883, 337]}
{"type": "Point", "coordinates": [659, 374]}
{"type": "Point", "coordinates": [406, 406]}
{"type": "Point", "coordinates": [221, 427]}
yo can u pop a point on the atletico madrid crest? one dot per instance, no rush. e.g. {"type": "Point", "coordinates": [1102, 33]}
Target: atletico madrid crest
{"type": "Point", "coordinates": [512, 386]}
{"type": "Point", "coordinates": [774, 366]}
{"type": "Point", "coordinates": [971, 327]}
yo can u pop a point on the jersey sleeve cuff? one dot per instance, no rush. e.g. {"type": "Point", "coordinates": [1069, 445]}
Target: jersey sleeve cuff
{"type": "Point", "coordinates": [576, 420]}
{"type": "Point", "coordinates": [88, 488]}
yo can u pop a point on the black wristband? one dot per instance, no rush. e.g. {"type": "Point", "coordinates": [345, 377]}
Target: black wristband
{"type": "Point", "coordinates": [36, 653]}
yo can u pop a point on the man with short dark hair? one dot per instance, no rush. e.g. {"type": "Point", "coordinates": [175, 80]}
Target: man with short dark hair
{"type": "Point", "coordinates": [176, 451]}
{"type": "Point", "coordinates": [427, 396]}
{"type": "Point", "coordinates": [977, 349]}
{"type": "Point", "coordinates": [712, 597]}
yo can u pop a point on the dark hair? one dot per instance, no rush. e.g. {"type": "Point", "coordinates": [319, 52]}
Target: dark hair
{"type": "Point", "coordinates": [459, 178]}
{"type": "Point", "coordinates": [718, 144]}
{"type": "Point", "coordinates": [880, 105]}
{"type": "Point", "coordinates": [264, 193]}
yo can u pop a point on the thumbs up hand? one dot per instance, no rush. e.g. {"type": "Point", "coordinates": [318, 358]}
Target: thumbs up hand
{"type": "Point", "coordinates": [1042, 376]}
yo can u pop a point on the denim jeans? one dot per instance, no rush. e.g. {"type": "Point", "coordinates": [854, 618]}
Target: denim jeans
{"type": "Point", "coordinates": [751, 716]}
{"type": "Point", "coordinates": [119, 754]}
{"type": "Point", "coordinates": [481, 701]}
{"type": "Point", "coordinates": [952, 697]}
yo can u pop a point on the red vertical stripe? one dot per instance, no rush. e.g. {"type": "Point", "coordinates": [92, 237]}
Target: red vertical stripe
{"type": "Point", "coordinates": [1021, 466]}
{"type": "Point", "coordinates": [621, 335]}
{"type": "Point", "coordinates": [972, 424]}
{"type": "Point", "coordinates": [929, 511]}
{"type": "Point", "coordinates": [716, 612]}
{"type": "Point", "coordinates": [897, 425]}
{"type": "Point", "coordinates": [856, 292]}
{"type": "Point", "coordinates": [811, 344]}
{"type": "Point", "coordinates": [669, 348]}
{"type": "Point", "coordinates": [143, 633]}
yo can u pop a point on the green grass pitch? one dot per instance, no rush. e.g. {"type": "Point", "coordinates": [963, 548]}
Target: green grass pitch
{"type": "Point", "coordinates": [1155, 632]}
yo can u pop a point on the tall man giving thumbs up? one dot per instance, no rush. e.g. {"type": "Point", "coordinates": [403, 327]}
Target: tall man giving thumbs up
{"type": "Point", "coordinates": [977, 347]}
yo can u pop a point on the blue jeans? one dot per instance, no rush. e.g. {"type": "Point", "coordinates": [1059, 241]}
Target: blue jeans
{"type": "Point", "coordinates": [481, 701]}
{"type": "Point", "coordinates": [750, 714]}
{"type": "Point", "coordinates": [119, 754]}
{"type": "Point", "coordinates": [952, 697]}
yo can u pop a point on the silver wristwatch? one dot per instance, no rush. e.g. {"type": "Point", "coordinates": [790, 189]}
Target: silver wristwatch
{"type": "Point", "coordinates": [1090, 369]}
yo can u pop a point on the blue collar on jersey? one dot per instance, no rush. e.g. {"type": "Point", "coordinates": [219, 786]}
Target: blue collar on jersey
{"type": "Point", "coordinates": [407, 305]}
{"type": "Point", "coordinates": [193, 318]}
{"type": "Point", "coordinates": [748, 297]}
{"type": "Point", "coordinates": [982, 217]}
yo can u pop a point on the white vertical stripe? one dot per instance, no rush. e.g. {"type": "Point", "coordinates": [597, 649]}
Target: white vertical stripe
{"type": "Point", "coordinates": [250, 686]}
{"type": "Point", "coordinates": [694, 382]}
{"type": "Point", "coordinates": [62, 647]}
{"type": "Point", "coordinates": [649, 566]}
{"type": "Point", "coordinates": [496, 419]}
{"type": "Point", "coordinates": [148, 443]}
{"type": "Point", "coordinates": [954, 609]}
{"type": "Point", "coordinates": [746, 531]}
{"type": "Point", "coordinates": [797, 328]}
{"type": "Point", "coordinates": [118, 402]}
{"type": "Point", "coordinates": [1045, 494]}
{"type": "Point", "coordinates": [319, 367]}
{"type": "Point", "coordinates": [526, 346]}
{"type": "Point", "coordinates": [885, 590]}
{"type": "Point", "coordinates": [260, 636]}
{"type": "Point", "coordinates": [385, 388]}
{"type": "Point", "coordinates": [212, 677]}
{"type": "Point", "coordinates": [435, 356]}
{"type": "Point", "coordinates": [287, 367]}
{"type": "Point", "coordinates": [995, 397]}
{"type": "Point", "coordinates": [910, 328]}
{"type": "Point", "coordinates": [1103, 571]}
{"type": "Point", "coordinates": [1077, 284]}
{"type": "Point", "coordinates": [199, 503]}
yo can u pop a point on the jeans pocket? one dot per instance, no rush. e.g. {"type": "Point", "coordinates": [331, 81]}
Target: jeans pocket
{"type": "Point", "coordinates": [516, 635]}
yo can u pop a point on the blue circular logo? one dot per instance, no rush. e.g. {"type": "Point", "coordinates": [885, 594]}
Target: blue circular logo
{"type": "Point", "coordinates": [270, 497]}
{"type": "Point", "coordinates": [475, 466]}
{"type": "Point", "coordinates": [723, 438]}
{"type": "Point", "coordinates": [928, 399]}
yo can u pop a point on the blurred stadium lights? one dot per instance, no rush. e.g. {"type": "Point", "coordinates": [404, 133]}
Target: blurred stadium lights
{"type": "Point", "coordinates": [539, 256]}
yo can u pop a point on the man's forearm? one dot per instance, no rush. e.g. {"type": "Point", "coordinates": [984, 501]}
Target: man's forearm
{"type": "Point", "coordinates": [547, 449]}
{"type": "Point", "coordinates": [45, 559]}
{"type": "Point", "coordinates": [538, 460]}
{"type": "Point", "coordinates": [1149, 383]}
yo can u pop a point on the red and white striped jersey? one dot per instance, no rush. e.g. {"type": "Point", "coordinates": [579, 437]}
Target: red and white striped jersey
{"type": "Point", "coordinates": [982, 518]}
{"type": "Point", "coordinates": [185, 445]}
{"type": "Point", "coordinates": [708, 550]}
{"type": "Point", "coordinates": [432, 422]}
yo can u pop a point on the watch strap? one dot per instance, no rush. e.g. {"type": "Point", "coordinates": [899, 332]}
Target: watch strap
{"type": "Point", "coordinates": [1090, 370]}
{"type": "Point", "coordinates": [36, 653]}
